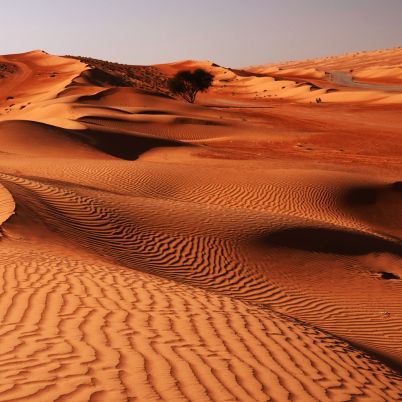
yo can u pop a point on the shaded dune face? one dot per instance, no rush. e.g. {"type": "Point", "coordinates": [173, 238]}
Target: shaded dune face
{"type": "Point", "coordinates": [381, 206]}
{"type": "Point", "coordinates": [46, 140]}
{"type": "Point", "coordinates": [156, 250]}
{"type": "Point", "coordinates": [330, 241]}
{"type": "Point", "coordinates": [128, 146]}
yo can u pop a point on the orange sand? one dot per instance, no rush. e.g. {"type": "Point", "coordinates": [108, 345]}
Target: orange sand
{"type": "Point", "coordinates": [245, 248]}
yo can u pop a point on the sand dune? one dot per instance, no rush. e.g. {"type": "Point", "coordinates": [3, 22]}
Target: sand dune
{"type": "Point", "coordinates": [379, 71]}
{"type": "Point", "coordinates": [247, 247]}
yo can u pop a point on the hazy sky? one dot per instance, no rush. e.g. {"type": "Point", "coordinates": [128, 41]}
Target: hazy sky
{"type": "Point", "coordinates": [229, 32]}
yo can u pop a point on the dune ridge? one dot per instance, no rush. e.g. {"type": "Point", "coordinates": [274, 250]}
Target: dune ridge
{"type": "Point", "coordinates": [7, 205]}
{"type": "Point", "coordinates": [243, 248]}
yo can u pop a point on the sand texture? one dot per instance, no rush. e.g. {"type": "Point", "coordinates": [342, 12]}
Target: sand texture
{"type": "Point", "coordinates": [244, 248]}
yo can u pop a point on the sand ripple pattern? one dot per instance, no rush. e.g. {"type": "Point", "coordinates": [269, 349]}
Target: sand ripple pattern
{"type": "Point", "coordinates": [210, 248]}
{"type": "Point", "coordinates": [86, 330]}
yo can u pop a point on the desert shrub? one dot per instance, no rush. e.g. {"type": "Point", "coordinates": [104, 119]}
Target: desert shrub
{"type": "Point", "coordinates": [188, 83]}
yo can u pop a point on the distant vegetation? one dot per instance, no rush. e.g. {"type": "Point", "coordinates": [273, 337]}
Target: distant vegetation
{"type": "Point", "coordinates": [148, 78]}
{"type": "Point", "coordinates": [7, 68]}
{"type": "Point", "coordinates": [187, 84]}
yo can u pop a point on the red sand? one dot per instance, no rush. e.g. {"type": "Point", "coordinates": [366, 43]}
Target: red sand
{"type": "Point", "coordinates": [247, 247]}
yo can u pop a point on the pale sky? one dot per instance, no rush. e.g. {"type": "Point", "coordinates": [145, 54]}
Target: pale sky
{"type": "Point", "coordinates": [229, 32]}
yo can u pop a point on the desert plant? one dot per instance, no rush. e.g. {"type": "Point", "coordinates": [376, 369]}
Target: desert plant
{"type": "Point", "coordinates": [188, 83]}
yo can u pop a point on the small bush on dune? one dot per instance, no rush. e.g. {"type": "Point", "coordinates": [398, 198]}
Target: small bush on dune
{"type": "Point", "coordinates": [187, 83]}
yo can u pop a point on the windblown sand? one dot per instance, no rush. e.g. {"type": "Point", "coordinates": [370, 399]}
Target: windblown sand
{"type": "Point", "coordinates": [245, 248]}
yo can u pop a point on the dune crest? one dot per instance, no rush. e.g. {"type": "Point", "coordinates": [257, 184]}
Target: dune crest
{"type": "Point", "coordinates": [7, 205]}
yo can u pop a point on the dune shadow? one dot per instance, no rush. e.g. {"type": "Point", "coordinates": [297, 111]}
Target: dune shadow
{"type": "Point", "coordinates": [117, 143]}
{"type": "Point", "coordinates": [121, 145]}
{"type": "Point", "coordinates": [112, 91]}
{"type": "Point", "coordinates": [369, 195]}
{"type": "Point", "coordinates": [397, 186]}
{"type": "Point", "coordinates": [329, 241]}
{"type": "Point", "coordinates": [362, 196]}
